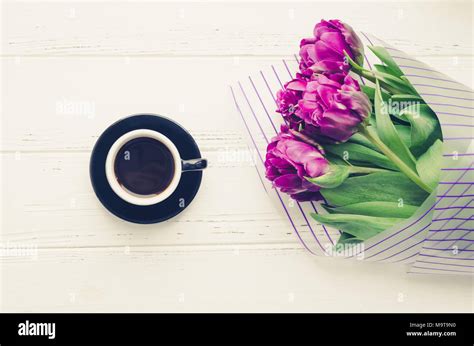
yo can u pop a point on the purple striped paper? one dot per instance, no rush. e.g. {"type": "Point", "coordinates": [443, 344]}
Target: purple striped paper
{"type": "Point", "coordinates": [438, 238]}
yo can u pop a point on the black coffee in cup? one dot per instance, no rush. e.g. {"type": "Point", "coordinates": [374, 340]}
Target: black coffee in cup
{"type": "Point", "coordinates": [144, 166]}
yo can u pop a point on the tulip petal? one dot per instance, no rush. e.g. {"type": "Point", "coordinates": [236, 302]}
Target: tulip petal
{"type": "Point", "coordinates": [323, 27]}
{"type": "Point", "coordinates": [307, 196]}
{"type": "Point", "coordinates": [279, 163]}
{"type": "Point", "coordinates": [325, 52]}
{"type": "Point", "coordinates": [356, 101]}
{"type": "Point", "coordinates": [338, 124]}
{"type": "Point", "coordinates": [308, 53]}
{"type": "Point", "coordinates": [309, 186]}
{"type": "Point", "coordinates": [288, 181]}
{"type": "Point", "coordinates": [327, 65]}
{"type": "Point", "coordinates": [296, 84]}
{"type": "Point", "coordinates": [271, 173]}
{"type": "Point", "coordinates": [336, 42]}
{"type": "Point", "coordinates": [316, 167]}
{"type": "Point", "coordinates": [307, 41]}
{"type": "Point", "coordinates": [327, 95]}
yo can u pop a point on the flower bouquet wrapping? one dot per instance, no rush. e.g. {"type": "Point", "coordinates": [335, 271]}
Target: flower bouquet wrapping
{"type": "Point", "coordinates": [367, 151]}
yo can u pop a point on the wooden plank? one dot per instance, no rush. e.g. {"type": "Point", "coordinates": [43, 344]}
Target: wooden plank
{"type": "Point", "coordinates": [48, 201]}
{"type": "Point", "coordinates": [224, 28]}
{"type": "Point", "coordinates": [228, 278]}
{"type": "Point", "coordinates": [85, 95]}
{"type": "Point", "coordinates": [63, 104]}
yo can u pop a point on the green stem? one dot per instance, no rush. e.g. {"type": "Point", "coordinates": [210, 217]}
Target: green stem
{"type": "Point", "coordinates": [371, 76]}
{"type": "Point", "coordinates": [366, 170]}
{"type": "Point", "coordinates": [374, 75]}
{"type": "Point", "coordinates": [374, 139]}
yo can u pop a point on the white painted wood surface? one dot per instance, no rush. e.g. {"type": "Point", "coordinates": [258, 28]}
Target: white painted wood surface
{"type": "Point", "coordinates": [70, 69]}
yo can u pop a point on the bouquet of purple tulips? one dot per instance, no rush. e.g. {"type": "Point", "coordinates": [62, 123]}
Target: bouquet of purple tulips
{"type": "Point", "coordinates": [363, 142]}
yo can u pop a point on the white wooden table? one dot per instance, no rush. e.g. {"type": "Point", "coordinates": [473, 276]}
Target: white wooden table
{"type": "Point", "coordinates": [71, 69]}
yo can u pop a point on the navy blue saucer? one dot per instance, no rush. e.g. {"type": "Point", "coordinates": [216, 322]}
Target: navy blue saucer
{"type": "Point", "coordinates": [174, 204]}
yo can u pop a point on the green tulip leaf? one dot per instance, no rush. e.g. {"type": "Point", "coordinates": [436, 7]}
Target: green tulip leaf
{"type": "Point", "coordinates": [384, 69]}
{"type": "Point", "coordinates": [360, 139]}
{"type": "Point", "coordinates": [385, 209]}
{"type": "Point", "coordinates": [392, 187]}
{"type": "Point", "coordinates": [425, 127]}
{"type": "Point", "coordinates": [406, 97]}
{"type": "Point", "coordinates": [388, 133]}
{"type": "Point", "coordinates": [370, 92]}
{"type": "Point", "coordinates": [429, 164]}
{"type": "Point", "coordinates": [347, 238]}
{"type": "Point", "coordinates": [336, 175]}
{"type": "Point", "coordinates": [390, 81]}
{"type": "Point", "coordinates": [410, 86]}
{"type": "Point", "coordinates": [360, 226]}
{"type": "Point", "coordinates": [385, 57]}
{"type": "Point", "coordinates": [394, 83]}
{"type": "Point", "coordinates": [353, 152]}
{"type": "Point", "coordinates": [405, 134]}
{"type": "Point", "coordinates": [335, 160]}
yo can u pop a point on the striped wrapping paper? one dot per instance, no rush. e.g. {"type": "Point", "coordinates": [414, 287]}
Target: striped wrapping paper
{"type": "Point", "coordinates": [439, 238]}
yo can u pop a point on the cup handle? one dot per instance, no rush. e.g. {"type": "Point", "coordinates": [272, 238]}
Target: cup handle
{"type": "Point", "coordinates": [193, 165]}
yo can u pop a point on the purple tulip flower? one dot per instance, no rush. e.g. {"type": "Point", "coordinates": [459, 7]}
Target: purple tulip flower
{"type": "Point", "coordinates": [287, 101]}
{"type": "Point", "coordinates": [334, 109]}
{"type": "Point", "coordinates": [289, 160]}
{"type": "Point", "coordinates": [324, 53]}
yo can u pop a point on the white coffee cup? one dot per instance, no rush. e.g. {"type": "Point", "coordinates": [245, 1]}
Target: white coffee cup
{"type": "Point", "coordinates": [180, 166]}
